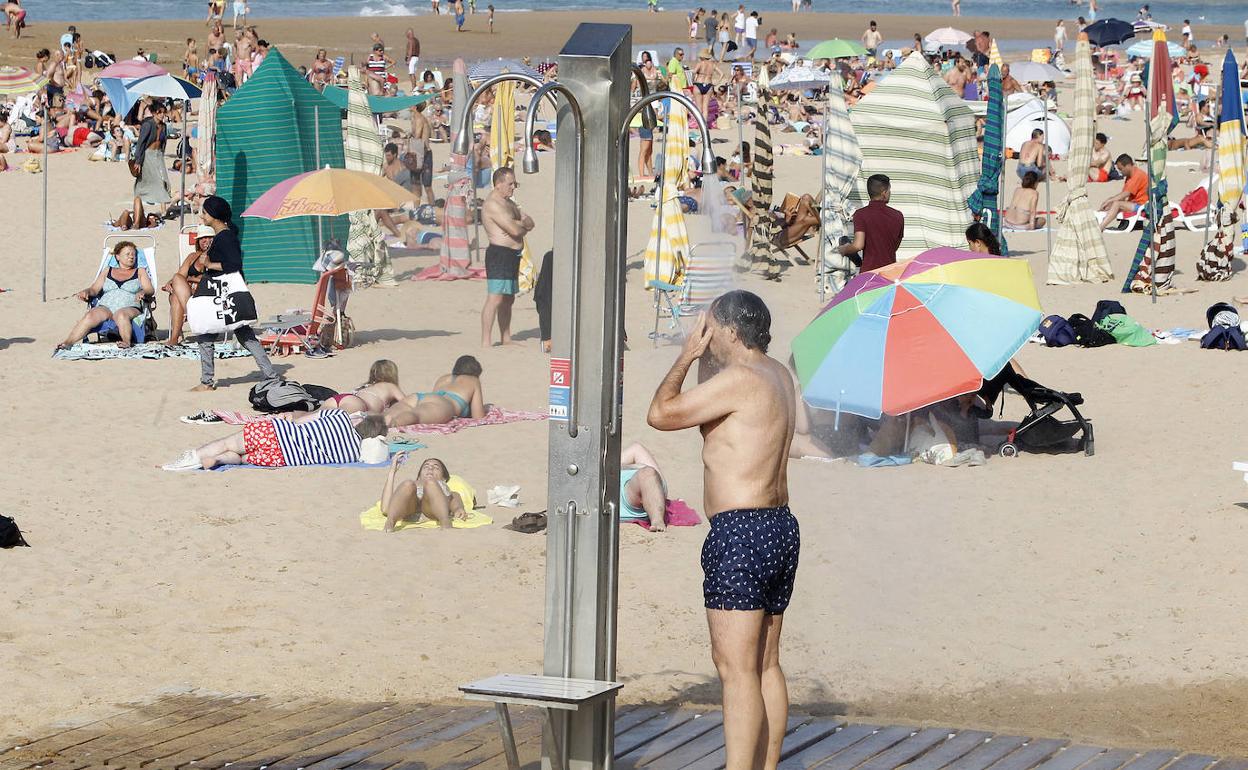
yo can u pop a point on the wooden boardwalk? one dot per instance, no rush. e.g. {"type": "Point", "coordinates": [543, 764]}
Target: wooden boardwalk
{"type": "Point", "coordinates": [251, 732]}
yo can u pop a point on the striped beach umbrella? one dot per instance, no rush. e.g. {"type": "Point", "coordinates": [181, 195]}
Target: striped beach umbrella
{"type": "Point", "coordinates": [984, 202]}
{"type": "Point", "coordinates": [1153, 266]}
{"type": "Point", "coordinates": [763, 186]}
{"type": "Point", "coordinates": [1215, 258]}
{"type": "Point", "coordinates": [916, 333]}
{"type": "Point", "coordinates": [20, 80]}
{"type": "Point", "coordinates": [327, 192]}
{"type": "Point", "coordinates": [503, 126]}
{"type": "Point", "coordinates": [915, 130]}
{"type": "Point", "coordinates": [207, 127]}
{"type": "Point", "coordinates": [994, 56]}
{"type": "Point", "coordinates": [1079, 254]}
{"type": "Point", "coordinates": [667, 251]}
{"type": "Point", "coordinates": [841, 160]}
{"type": "Point", "coordinates": [363, 151]}
{"type": "Point", "coordinates": [454, 258]}
{"type": "Point", "coordinates": [131, 68]}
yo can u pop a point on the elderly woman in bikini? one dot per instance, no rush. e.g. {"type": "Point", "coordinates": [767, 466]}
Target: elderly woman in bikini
{"type": "Point", "coordinates": [457, 394]}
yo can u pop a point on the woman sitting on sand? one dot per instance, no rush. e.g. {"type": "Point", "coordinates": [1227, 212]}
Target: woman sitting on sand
{"type": "Point", "coordinates": [381, 391]}
{"type": "Point", "coordinates": [457, 394]}
{"type": "Point", "coordinates": [1021, 214]}
{"type": "Point", "coordinates": [120, 290]}
{"type": "Point", "coordinates": [183, 283]}
{"type": "Point", "coordinates": [428, 496]}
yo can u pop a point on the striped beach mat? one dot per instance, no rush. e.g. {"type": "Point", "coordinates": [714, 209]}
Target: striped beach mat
{"type": "Point", "coordinates": [915, 130]}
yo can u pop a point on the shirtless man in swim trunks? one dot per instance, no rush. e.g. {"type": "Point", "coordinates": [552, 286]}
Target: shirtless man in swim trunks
{"type": "Point", "coordinates": [457, 394]}
{"type": "Point", "coordinates": [745, 407]}
{"type": "Point", "coordinates": [1031, 156]}
{"type": "Point", "coordinates": [506, 226]}
{"type": "Point", "coordinates": [421, 154]}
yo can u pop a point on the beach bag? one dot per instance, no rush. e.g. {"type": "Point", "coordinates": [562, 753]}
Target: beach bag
{"type": "Point", "coordinates": [1057, 332]}
{"type": "Point", "coordinates": [1107, 307]}
{"type": "Point", "coordinates": [221, 303]}
{"type": "Point", "coordinates": [275, 396]}
{"type": "Point", "coordinates": [1224, 329]}
{"type": "Point", "coordinates": [1087, 335]}
{"type": "Point", "coordinates": [10, 535]}
{"type": "Point", "coordinates": [1195, 201]}
{"type": "Point", "coordinates": [1126, 330]}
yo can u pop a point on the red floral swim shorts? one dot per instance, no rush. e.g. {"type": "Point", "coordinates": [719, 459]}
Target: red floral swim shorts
{"type": "Point", "coordinates": [260, 445]}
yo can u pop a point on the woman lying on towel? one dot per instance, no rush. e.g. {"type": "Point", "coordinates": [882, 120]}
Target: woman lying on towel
{"type": "Point", "coordinates": [120, 293]}
{"type": "Point", "coordinates": [127, 220]}
{"type": "Point", "coordinates": [381, 391]}
{"type": "Point", "coordinates": [457, 394]}
{"type": "Point", "coordinates": [429, 496]}
{"type": "Point", "coordinates": [330, 437]}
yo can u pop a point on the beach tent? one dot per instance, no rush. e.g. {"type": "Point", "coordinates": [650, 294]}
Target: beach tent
{"type": "Point", "coordinates": [1216, 256]}
{"type": "Point", "coordinates": [1079, 254]}
{"type": "Point", "coordinates": [363, 152]}
{"type": "Point", "coordinates": [277, 126]}
{"type": "Point", "coordinates": [1021, 120]}
{"type": "Point", "coordinates": [841, 161]}
{"type": "Point", "coordinates": [914, 129]}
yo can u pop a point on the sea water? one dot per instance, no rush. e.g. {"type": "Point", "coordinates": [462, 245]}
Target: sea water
{"type": "Point", "coordinates": [1171, 12]}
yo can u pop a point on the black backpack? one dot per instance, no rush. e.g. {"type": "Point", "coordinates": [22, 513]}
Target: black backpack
{"type": "Point", "coordinates": [273, 396]}
{"type": "Point", "coordinates": [10, 535]}
{"type": "Point", "coordinates": [1086, 333]}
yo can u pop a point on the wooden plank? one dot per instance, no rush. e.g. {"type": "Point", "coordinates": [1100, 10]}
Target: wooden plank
{"type": "Point", "coordinates": [669, 741]}
{"type": "Point", "coordinates": [529, 747]}
{"type": "Point", "coordinates": [838, 741]}
{"type": "Point", "coordinates": [951, 750]}
{"type": "Point", "coordinates": [293, 729]}
{"type": "Point", "coordinates": [261, 724]}
{"type": "Point", "coordinates": [403, 718]}
{"type": "Point", "coordinates": [484, 738]}
{"type": "Point", "coordinates": [881, 740]}
{"type": "Point", "coordinates": [446, 717]}
{"type": "Point", "coordinates": [988, 753]}
{"type": "Point", "coordinates": [1152, 760]}
{"type": "Point", "coordinates": [1071, 757]}
{"type": "Point", "coordinates": [132, 713]}
{"type": "Point", "coordinates": [692, 751]}
{"type": "Point", "coordinates": [635, 717]}
{"type": "Point", "coordinates": [408, 753]}
{"type": "Point", "coordinates": [1030, 755]}
{"type": "Point", "coordinates": [193, 732]}
{"type": "Point", "coordinates": [908, 749]}
{"type": "Point", "coordinates": [140, 715]}
{"type": "Point", "coordinates": [524, 724]}
{"type": "Point", "coordinates": [1111, 760]}
{"type": "Point", "coordinates": [650, 729]}
{"type": "Point", "coordinates": [1231, 764]}
{"type": "Point", "coordinates": [1192, 762]}
{"type": "Point", "coordinates": [797, 736]}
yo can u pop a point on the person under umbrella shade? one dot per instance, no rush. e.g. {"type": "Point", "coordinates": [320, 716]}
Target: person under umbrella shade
{"type": "Point", "coordinates": [1215, 258]}
{"type": "Point", "coordinates": [667, 250]}
{"type": "Point", "coordinates": [984, 201]}
{"type": "Point", "coordinates": [1153, 266]}
{"type": "Point", "coordinates": [1079, 254]}
{"type": "Point", "coordinates": [363, 152]}
{"type": "Point", "coordinates": [841, 161]}
{"type": "Point", "coordinates": [915, 333]}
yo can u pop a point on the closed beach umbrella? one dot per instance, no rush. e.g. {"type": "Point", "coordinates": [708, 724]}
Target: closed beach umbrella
{"type": "Point", "coordinates": [1153, 266]}
{"type": "Point", "coordinates": [1079, 254]}
{"type": "Point", "coordinates": [994, 55]}
{"type": "Point", "coordinates": [667, 251]}
{"type": "Point", "coordinates": [984, 202]}
{"type": "Point", "coordinates": [131, 68]}
{"type": "Point", "coordinates": [1108, 32]}
{"type": "Point", "coordinates": [841, 160]}
{"type": "Point", "coordinates": [1145, 49]}
{"type": "Point", "coordinates": [208, 127]}
{"type": "Point", "coordinates": [491, 67]}
{"type": "Point", "coordinates": [454, 258]}
{"type": "Point", "coordinates": [836, 49]}
{"type": "Point", "coordinates": [15, 81]}
{"type": "Point", "coordinates": [327, 192]}
{"type": "Point", "coordinates": [362, 149]}
{"type": "Point", "coordinates": [763, 185]}
{"type": "Point", "coordinates": [946, 36]}
{"type": "Point", "coordinates": [916, 333]}
{"type": "Point", "coordinates": [1215, 259]}
{"type": "Point", "coordinates": [503, 126]}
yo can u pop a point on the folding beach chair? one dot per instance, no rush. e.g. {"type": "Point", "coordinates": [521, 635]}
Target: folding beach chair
{"type": "Point", "coordinates": [1197, 217]}
{"type": "Point", "coordinates": [1125, 224]}
{"type": "Point", "coordinates": [338, 64]}
{"type": "Point", "coordinates": [784, 241]}
{"type": "Point", "coordinates": [302, 330]}
{"type": "Point", "coordinates": [144, 324]}
{"type": "Point", "coordinates": [708, 275]}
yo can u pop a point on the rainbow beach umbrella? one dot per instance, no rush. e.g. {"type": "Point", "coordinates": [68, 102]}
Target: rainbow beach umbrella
{"type": "Point", "coordinates": [327, 192]}
{"type": "Point", "coordinates": [20, 80]}
{"type": "Point", "coordinates": [917, 332]}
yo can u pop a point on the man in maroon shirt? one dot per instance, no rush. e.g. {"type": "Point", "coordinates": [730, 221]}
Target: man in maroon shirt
{"type": "Point", "coordinates": [878, 228]}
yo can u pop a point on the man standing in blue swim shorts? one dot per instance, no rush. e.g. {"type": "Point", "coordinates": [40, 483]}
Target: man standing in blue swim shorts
{"type": "Point", "coordinates": [745, 407]}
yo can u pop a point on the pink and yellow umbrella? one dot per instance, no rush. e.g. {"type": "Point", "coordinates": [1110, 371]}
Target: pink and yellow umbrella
{"type": "Point", "coordinates": [20, 80]}
{"type": "Point", "coordinates": [917, 332]}
{"type": "Point", "coordinates": [328, 192]}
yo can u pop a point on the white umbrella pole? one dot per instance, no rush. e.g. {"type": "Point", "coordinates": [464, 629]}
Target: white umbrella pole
{"type": "Point", "coordinates": [1048, 196]}
{"type": "Point", "coordinates": [1213, 157]}
{"type": "Point", "coordinates": [658, 240]}
{"type": "Point", "coordinates": [44, 286]}
{"type": "Point", "coordinates": [186, 138]}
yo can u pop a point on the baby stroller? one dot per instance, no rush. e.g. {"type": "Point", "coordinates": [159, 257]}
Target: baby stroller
{"type": "Point", "coordinates": [1042, 428]}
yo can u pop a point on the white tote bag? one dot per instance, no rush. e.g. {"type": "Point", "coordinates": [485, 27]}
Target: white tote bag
{"type": "Point", "coordinates": [221, 303]}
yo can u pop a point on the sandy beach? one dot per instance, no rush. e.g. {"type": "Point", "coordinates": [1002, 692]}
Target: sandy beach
{"type": "Point", "coordinates": [538, 33]}
{"type": "Point", "coordinates": [1097, 598]}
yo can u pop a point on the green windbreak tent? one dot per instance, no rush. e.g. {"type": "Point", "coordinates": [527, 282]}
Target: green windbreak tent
{"type": "Point", "coordinates": [269, 131]}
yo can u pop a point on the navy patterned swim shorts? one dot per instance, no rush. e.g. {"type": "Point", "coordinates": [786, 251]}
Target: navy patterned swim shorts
{"type": "Point", "coordinates": [749, 560]}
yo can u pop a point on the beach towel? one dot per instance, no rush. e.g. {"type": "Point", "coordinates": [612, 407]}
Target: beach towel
{"type": "Point", "coordinates": [495, 416]}
{"type": "Point", "coordinates": [148, 350]}
{"type": "Point", "coordinates": [374, 519]}
{"type": "Point", "coordinates": [678, 514]}
{"type": "Point", "coordinates": [439, 272]}
{"type": "Point", "coordinates": [109, 226]}
{"type": "Point", "coordinates": [283, 467]}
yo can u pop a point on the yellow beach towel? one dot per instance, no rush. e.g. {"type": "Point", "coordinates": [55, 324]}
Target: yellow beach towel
{"type": "Point", "coordinates": [375, 520]}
